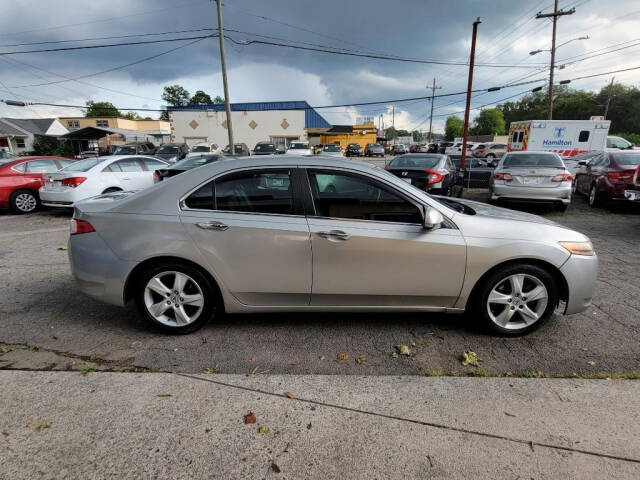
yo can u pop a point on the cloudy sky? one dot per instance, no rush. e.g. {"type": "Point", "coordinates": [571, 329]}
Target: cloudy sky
{"type": "Point", "coordinates": [419, 29]}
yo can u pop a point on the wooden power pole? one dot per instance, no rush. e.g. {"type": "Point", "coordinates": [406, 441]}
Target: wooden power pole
{"type": "Point", "coordinates": [554, 18]}
{"type": "Point", "coordinates": [472, 59]}
{"type": "Point", "coordinates": [606, 107]}
{"type": "Point", "coordinates": [225, 85]}
{"type": "Point", "coordinates": [433, 93]}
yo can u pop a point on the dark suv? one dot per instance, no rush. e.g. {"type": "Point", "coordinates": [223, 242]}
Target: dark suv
{"type": "Point", "coordinates": [136, 148]}
{"type": "Point", "coordinates": [264, 148]}
{"type": "Point", "coordinates": [353, 150]}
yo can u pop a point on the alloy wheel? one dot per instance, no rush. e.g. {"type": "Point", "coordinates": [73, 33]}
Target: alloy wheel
{"type": "Point", "coordinates": [517, 301]}
{"type": "Point", "coordinates": [592, 195]}
{"type": "Point", "coordinates": [173, 299]}
{"type": "Point", "coordinates": [26, 202]}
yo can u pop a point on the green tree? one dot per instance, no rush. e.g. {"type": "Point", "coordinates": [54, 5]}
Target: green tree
{"type": "Point", "coordinates": [490, 121]}
{"type": "Point", "coordinates": [453, 128]}
{"type": "Point", "coordinates": [417, 136]}
{"type": "Point", "coordinates": [132, 116]}
{"type": "Point", "coordinates": [101, 109]}
{"type": "Point", "coordinates": [390, 133]}
{"type": "Point", "coordinates": [175, 95]}
{"type": "Point", "coordinates": [200, 98]}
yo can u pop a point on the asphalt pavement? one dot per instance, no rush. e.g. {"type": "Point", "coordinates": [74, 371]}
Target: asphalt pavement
{"type": "Point", "coordinates": [45, 323]}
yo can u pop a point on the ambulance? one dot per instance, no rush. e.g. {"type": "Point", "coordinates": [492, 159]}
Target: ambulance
{"type": "Point", "coordinates": [565, 137]}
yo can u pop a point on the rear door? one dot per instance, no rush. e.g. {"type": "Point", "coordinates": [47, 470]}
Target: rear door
{"type": "Point", "coordinates": [254, 235]}
{"type": "Point", "coordinates": [34, 171]}
{"type": "Point", "coordinates": [370, 249]}
{"type": "Point", "coordinates": [130, 173]}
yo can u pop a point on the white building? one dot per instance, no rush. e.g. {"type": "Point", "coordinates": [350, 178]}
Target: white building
{"type": "Point", "coordinates": [278, 122]}
{"type": "Point", "coordinates": [17, 134]}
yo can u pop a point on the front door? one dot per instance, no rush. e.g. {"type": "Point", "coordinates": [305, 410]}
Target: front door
{"type": "Point", "coordinates": [370, 249]}
{"type": "Point", "coordinates": [253, 235]}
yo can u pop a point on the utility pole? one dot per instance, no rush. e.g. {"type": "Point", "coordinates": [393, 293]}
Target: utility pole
{"type": "Point", "coordinates": [433, 94]}
{"type": "Point", "coordinates": [223, 62]}
{"type": "Point", "coordinates": [393, 116]}
{"type": "Point", "coordinates": [554, 18]}
{"type": "Point", "coordinates": [606, 107]}
{"type": "Point", "coordinates": [472, 59]}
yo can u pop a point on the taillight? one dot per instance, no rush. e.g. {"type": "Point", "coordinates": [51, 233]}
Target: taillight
{"type": "Point", "coordinates": [626, 175]}
{"type": "Point", "coordinates": [433, 177]}
{"type": "Point", "coordinates": [562, 177]}
{"type": "Point", "coordinates": [77, 227]}
{"type": "Point", "coordinates": [72, 181]}
{"type": "Point", "coordinates": [156, 177]}
{"type": "Point", "coordinates": [507, 177]}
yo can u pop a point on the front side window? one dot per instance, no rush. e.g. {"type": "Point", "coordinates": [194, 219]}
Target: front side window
{"type": "Point", "coordinates": [152, 164]}
{"type": "Point", "coordinates": [348, 196]}
{"type": "Point", "coordinates": [41, 166]}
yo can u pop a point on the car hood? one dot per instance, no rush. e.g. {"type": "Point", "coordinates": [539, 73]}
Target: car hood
{"type": "Point", "coordinates": [486, 210]}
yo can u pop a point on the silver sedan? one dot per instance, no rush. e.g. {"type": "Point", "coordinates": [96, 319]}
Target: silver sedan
{"type": "Point", "coordinates": [532, 177]}
{"type": "Point", "coordinates": [287, 233]}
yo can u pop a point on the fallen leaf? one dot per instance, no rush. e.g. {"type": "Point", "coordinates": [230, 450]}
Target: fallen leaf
{"type": "Point", "coordinates": [254, 370]}
{"type": "Point", "coordinates": [309, 426]}
{"type": "Point", "coordinates": [592, 363]}
{"type": "Point", "coordinates": [470, 358]}
{"type": "Point", "coordinates": [275, 468]}
{"type": "Point", "coordinates": [31, 424]}
{"type": "Point", "coordinates": [264, 430]}
{"type": "Point", "coordinates": [585, 349]}
{"type": "Point", "coordinates": [360, 360]}
{"type": "Point", "coordinates": [342, 356]}
{"type": "Point", "coordinates": [249, 418]}
{"type": "Point", "coordinates": [62, 248]}
{"type": "Point", "coordinates": [403, 350]}
{"type": "Point", "coordinates": [277, 434]}
{"type": "Point", "coordinates": [253, 359]}
{"type": "Point", "coordinates": [42, 426]}
{"type": "Point", "coordinates": [163, 395]}
{"type": "Point", "coordinates": [288, 394]}
{"type": "Point", "coordinates": [321, 357]}
{"type": "Point", "coordinates": [211, 370]}
{"type": "Point", "coordinates": [207, 430]}
{"type": "Point", "coordinates": [394, 355]}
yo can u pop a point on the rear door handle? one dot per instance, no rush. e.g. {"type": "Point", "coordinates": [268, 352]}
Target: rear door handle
{"type": "Point", "coordinates": [335, 234]}
{"type": "Point", "coordinates": [212, 225]}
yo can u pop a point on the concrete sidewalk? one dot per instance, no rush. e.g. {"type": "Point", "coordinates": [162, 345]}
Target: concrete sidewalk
{"type": "Point", "coordinates": [130, 425]}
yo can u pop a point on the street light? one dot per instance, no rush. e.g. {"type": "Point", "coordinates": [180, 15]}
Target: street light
{"type": "Point", "coordinates": [535, 52]}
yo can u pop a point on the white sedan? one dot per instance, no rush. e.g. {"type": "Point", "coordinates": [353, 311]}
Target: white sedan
{"type": "Point", "coordinates": [94, 176]}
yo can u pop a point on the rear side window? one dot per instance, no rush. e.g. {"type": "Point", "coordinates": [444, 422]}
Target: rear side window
{"type": "Point", "coordinates": [21, 167]}
{"type": "Point", "coordinates": [152, 164]}
{"type": "Point", "coordinates": [257, 191]}
{"type": "Point", "coordinates": [584, 136]}
{"type": "Point", "coordinates": [202, 198]}
{"type": "Point", "coordinates": [128, 165]}
{"type": "Point", "coordinates": [346, 196]}
{"type": "Point", "coordinates": [41, 166]}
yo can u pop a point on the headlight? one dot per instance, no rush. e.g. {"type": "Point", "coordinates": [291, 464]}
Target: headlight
{"type": "Point", "coordinates": [579, 248]}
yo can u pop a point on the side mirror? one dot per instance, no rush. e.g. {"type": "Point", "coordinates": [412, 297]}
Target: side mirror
{"type": "Point", "coordinates": [582, 162]}
{"type": "Point", "coordinates": [432, 219]}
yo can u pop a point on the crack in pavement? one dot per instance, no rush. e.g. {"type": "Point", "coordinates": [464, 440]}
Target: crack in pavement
{"type": "Point", "coordinates": [441, 426]}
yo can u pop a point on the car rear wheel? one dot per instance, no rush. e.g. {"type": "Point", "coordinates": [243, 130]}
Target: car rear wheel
{"type": "Point", "coordinates": [517, 299]}
{"type": "Point", "coordinates": [24, 201]}
{"type": "Point", "coordinates": [176, 298]}
{"type": "Point", "coordinates": [594, 197]}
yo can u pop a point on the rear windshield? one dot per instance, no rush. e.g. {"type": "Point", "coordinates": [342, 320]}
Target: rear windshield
{"type": "Point", "coordinates": [200, 148]}
{"type": "Point", "coordinates": [626, 158]}
{"type": "Point", "coordinates": [298, 146]}
{"type": "Point", "coordinates": [426, 161]}
{"type": "Point", "coordinates": [265, 147]}
{"type": "Point", "coordinates": [83, 165]}
{"type": "Point", "coordinates": [168, 149]}
{"type": "Point", "coordinates": [331, 148]}
{"type": "Point", "coordinates": [195, 161]}
{"type": "Point", "coordinates": [532, 160]}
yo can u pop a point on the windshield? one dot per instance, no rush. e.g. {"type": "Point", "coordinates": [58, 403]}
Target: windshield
{"type": "Point", "coordinates": [193, 162]}
{"type": "Point", "coordinates": [125, 150]}
{"type": "Point", "coordinates": [532, 160]}
{"type": "Point", "coordinates": [627, 158]}
{"type": "Point", "coordinates": [200, 148]}
{"type": "Point", "coordinates": [237, 148]}
{"type": "Point", "coordinates": [298, 146]}
{"type": "Point", "coordinates": [618, 142]}
{"type": "Point", "coordinates": [331, 148]}
{"type": "Point", "coordinates": [172, 149]}
{"type": "Point", "coordinates": [265, 147]}
{"type": "Point", "coordinates": [82, 165]}
{"type": "Point", "coordinates": [5, 154]}
{"type": "Point", "coordinates": [375, 145]}
{"type": "Point", "coordinates": [426, 161]}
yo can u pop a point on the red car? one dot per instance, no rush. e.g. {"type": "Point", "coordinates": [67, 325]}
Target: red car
{"type": "Point", "coordinates": [20, 179]}
{"type": "Point", "coordinates": [607, 176]}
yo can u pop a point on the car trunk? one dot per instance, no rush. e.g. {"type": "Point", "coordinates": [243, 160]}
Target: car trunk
{"type": "Point", "coordinates": [533, 176]}
{"type": "Point", "coordinates": [53, 181]}
{"type": "Point", "coordinates": [415, 176]}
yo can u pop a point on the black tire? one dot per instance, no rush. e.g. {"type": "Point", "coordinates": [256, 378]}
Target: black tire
{"type": "Point", "coordinates": [594, 200]}
{"type": "Point", "coordinates": [112, 189]}
{"type": "Point", "coordinates": [490, 157]}
{"type": "Point", "coordinates": [24, 201]}
{"type": "Point", "coordinates": [495, 279]}
{"type": "Point", "coordinates": [446, 191]}
{"type": "Point", "coordinates": [211, 298]}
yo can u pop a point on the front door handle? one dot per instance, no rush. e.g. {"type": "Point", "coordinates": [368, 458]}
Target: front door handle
{"type": "Point", "coordinates": [335, 234]}
{"type": "Point", "coordinates": [212, 225]}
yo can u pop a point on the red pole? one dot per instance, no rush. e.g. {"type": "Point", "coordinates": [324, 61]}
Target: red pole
{"type": "Point", "coordinates": [472, 59]}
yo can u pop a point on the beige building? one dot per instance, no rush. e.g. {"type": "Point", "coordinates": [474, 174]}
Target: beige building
{"type": "Point", "coordinates": [75, 123]}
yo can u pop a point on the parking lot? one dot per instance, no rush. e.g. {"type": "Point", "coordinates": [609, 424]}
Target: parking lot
{"type": "Point", "coordinates": [46, 323]}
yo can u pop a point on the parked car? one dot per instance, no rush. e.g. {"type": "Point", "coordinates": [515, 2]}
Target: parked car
{"type": "Point", "coordinates": [5, 154]}
{"type": "Point", "coordinates": [607, 176]}
{"type": "Point", "coordinates": [264, 148]}
{"type": "Point", "coordinates": [492, 152]}
{"type": "Point", "coordinates": [280, 149]}
{"type": "Point", "coordinates": [532, 177]}
{"type": "Point", "coordinates": [573, 163]}
{"type": "Point", "coordinates": [332, 150]}
{"type": "Point", "coordinates": [619, 143]}
{"type": "Point", "coordinates": [442, 146]}
{"type": "Point", "coordinates": [476, 174]}
{"type": "Point", "coordinates": [299, 148]}
{"type": "Point", "coordinates": [204, 147]}
{"type": "Point", "coordinates": [94, 176]}
{"type": "Point", "coordinates": [399, 149]}
{"type": "Point", "coordinates": [182, 166]}
{"type": "Point", "coordinates": [136, 148]}
{"type": "Point", "coordinates": [353, 150]}
{"type": "Point", "coordinates": [428, 172]}
{"type": "Point", "coordinates": [87, 154]}
{"type": "Point", "coordinates": [632, 193]}
{"type": "Point", "coordinates": [456, 148]}
{"type": "Point", "coordinates": [374, 150]}
{"type": "Point", "coordinates": [371, 242]}
{"type": "Point", "coordinates": [172, 152]}
{"type": "Point", "coordinates": [22, 177]}
{"type": "Point", "coordinates": [317, 149]}
{"type": "Point", "coordinates": [239, 149]}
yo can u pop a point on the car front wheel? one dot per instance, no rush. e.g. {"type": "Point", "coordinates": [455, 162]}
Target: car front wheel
{"type": "Point", "coordinates": [176, 298]}
{"type": "Point", "coordinates": [594, 197]}
{"type": "Point", "coordinates": [24, 201]}
{"type": "Point", "coordinates": [517, 299]}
